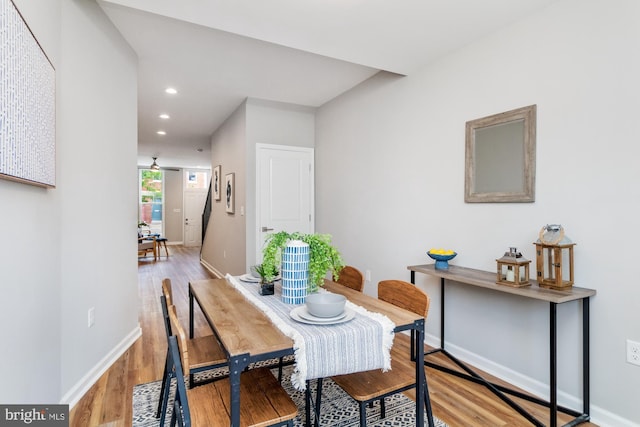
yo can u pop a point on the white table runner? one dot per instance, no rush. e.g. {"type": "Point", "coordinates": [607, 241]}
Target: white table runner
{"type": "Point", "coordinates": [361, 344]}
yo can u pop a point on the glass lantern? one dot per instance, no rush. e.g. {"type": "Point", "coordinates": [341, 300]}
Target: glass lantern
{"type": "Point", "coordinates": [513, 269]}
{"type": "Point", "coordinates": [554, 258]}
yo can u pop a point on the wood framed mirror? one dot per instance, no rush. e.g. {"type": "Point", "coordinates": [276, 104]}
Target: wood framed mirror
{"type": "Point", "coordinates": [500, 157]}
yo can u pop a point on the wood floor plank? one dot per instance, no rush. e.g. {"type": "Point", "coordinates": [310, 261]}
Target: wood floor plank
{"type": "Point", "coordinates": [108, 403]}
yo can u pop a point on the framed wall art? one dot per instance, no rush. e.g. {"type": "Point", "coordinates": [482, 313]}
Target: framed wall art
{"type": "Point", "coordinates": [27, 104]}
{"type": "Point", "coordinates": [230, 192]}
{"type": "Point", "coordinates": [215, 182]}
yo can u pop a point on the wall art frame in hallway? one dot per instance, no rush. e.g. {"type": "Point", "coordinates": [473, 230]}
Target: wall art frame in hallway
{"type": "Point", "coordinates": [27, 104]}
{"type": "Point", "coordinates": [216, 182]}
{"type": "Point", "coordinates": [230, 192]}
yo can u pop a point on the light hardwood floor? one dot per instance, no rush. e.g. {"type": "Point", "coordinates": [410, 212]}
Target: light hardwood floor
{"type": "Point", "coordinates": [108, 403]}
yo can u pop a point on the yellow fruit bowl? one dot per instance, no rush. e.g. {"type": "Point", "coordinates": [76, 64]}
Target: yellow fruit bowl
{"type": "Point", "coordinates": [442, 258]}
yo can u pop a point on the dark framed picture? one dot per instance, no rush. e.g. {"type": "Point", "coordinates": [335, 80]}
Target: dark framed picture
{"type": "Point", "coordinates": [215, 182]}
{"type": "Point", "coordinates": [229, 185]}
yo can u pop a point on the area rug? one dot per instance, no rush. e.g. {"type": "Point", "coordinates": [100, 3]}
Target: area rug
{"type": "Point", "coordinates": [338, 409]}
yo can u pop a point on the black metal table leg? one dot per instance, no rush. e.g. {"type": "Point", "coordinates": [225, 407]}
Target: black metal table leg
{"type": "Point", "coordinates": [442, 313]}
{"type": "Point", "coordinates": [585, 357]}
{"type": "Point", "coordinates": [420, 375]}
{"type": "Point", "coordinates": [553, 365]}
{"type": "Point", "coordinates": [190, 313]}
{"type": "Point", "coordinates": [236, 366]}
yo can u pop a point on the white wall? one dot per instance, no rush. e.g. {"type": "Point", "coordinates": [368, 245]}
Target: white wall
{"type": "Point", "coordinates": [390, 155]}
{"type": "Point", "coordinates": [255, 121]}
{"type": "Point", "coordinates": [29, 272]}
{"type": "Point", "coordinates": [224, 244]}
{"type": "Point", "coordinates": [71, 248]}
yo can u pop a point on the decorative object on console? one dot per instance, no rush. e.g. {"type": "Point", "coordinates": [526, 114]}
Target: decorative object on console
{"type": "Point", "coordinates": [554, 258]}
{"type": "Point", "coordinates": [442, 257]}
{"type": "Point", "coordinates": [513, 269]}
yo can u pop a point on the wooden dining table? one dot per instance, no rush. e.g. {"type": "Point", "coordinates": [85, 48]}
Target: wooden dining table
{"type": "Point", "coordinates": [248, 335]}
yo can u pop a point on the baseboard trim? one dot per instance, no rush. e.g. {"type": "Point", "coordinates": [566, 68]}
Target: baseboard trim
{"type": "Point", "coordinates": [211, 269]}
{"type": "Point", "coordinates": [76, 392]}
{"type": "Point", "coordinates": [598, 415]}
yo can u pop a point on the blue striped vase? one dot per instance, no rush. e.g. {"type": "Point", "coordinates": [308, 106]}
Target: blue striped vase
{"type": "Point", "coordinates": [295, 272]}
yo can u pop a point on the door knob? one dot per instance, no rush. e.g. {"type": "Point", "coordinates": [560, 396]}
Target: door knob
{"type": "Point", "coordinates": [266, 229]}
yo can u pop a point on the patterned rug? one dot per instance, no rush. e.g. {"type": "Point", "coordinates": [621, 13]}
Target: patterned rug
{"type": "Point", "coordinates": [338, 409]}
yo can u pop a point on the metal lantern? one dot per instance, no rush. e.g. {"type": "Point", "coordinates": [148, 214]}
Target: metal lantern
{"type": "Point", "coordinates": [513, 269]}
{"type": "Point", "coordinates": [554, 258]}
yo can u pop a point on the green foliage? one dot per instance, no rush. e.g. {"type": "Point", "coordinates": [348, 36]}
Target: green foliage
{"type": "Point", "coordinates": [267, 272]}
{"type": "Point", "coordinates": [322, 255]}
{"type": "Point", "coordinates": [152, 185]}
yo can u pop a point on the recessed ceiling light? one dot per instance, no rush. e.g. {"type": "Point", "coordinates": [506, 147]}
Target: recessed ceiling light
{"type": "Point", "coordinates": [171, 90]}
{"type": "Point", "coordinates": [161, 132]}
{"type": "Point", "coordinates": [164, 116]}
{"type": "Point", "coordinates": [199, 150]}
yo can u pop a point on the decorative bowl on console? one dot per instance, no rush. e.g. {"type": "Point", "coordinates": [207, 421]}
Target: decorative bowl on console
{"type": "Point", "coordinates": [442, 257]}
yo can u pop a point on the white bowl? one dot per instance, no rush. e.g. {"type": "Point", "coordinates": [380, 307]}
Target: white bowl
{"type": "Point", "coordinates": [325, 304]}
{"type": "Point", "coordinates": [254, 272]}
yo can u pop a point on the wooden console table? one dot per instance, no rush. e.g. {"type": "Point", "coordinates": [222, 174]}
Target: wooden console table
{"type": "Point", "coordinates": [487, 280]}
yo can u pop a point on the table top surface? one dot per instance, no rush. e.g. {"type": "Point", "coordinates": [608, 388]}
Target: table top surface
{"type": "Point", "coordinates": [244, 329]}
{"type": "Point", "coordinates": [486, 279]}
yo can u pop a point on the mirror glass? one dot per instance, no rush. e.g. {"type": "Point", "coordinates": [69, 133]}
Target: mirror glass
{"type": "Point", "coordinates": [500, 157]}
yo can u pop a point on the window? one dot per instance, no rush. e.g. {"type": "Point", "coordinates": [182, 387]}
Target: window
{"type": "Point", "coordinates": [196, 180]}
{"type": "Point", "coordinates": [151, 199]}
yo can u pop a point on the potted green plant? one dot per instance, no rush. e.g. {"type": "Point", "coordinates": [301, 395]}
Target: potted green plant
{"type": "Point", "coordinates": [323, 256]}
{"type": "Point", "coordinates": [267, 274]}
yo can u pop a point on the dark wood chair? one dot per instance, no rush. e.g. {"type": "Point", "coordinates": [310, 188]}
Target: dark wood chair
{"type": "Point", "coordinates": [352, 278]}
{"type": "Point", "coordinates": [366, 387]}
{"type": "Point", "coordinates": [199, 353]}
{"type": "Point", "coordinates": [165, 375]}
{"type": "Point", "coordinates": [205, 352]}
{"type": "Point", "coordinates": [264, 401]}
{"type": "Point", "coordinates": [202, 353]}
{"type": "Point", "coordinates": [167, 291]}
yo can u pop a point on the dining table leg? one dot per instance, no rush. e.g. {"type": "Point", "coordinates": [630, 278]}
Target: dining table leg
{"type": "Point", "coordinates": [190, 313]}
{"type": "Point", "coordinates": [236, 365]}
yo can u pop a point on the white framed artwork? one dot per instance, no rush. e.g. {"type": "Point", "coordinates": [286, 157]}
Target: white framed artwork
{"type": "Point", "coordinates": [229, 185]}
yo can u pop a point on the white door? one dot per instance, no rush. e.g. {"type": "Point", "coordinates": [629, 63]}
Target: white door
{"type": "Point", "coordinates": [193, 206]}
{"type": "Point", "coordinates": [284, 191]}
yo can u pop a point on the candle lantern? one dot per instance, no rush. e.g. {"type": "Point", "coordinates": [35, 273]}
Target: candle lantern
{"type": "Point", "coordinates": [513, 269]}
{"type": "Point", "coordinates": [554, 258]}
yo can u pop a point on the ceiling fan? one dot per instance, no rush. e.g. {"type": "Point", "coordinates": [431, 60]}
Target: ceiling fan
{"type": "Point", "coordinates": [156, 167]}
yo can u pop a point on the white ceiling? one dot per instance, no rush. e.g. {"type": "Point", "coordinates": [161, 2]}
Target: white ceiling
{"type": "Point", "coordinates": [219, 52]}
